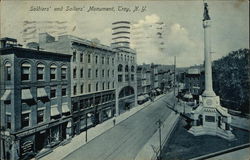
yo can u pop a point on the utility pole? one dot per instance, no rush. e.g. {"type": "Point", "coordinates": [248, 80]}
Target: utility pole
{"type": "Point", "coordinates": [159, 122]}
{"type": "Point", "coordinates": [174, 77]}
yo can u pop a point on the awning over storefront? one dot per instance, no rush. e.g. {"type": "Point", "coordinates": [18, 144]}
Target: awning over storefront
{"type": "Point", "coordinates": [146, 95]}
{"type": "Point", "coordinates": [54, 110]}
{"type": "Point", "coordinates": [140, 98]}
{"type": "Point", "coordinates": [65, 108]}
{"type": "Point", "coordinates": [41, 92]}
{"type": "Point", "coordinates": [129, 101]}
{"type": "Point", "coordinates": [69, 124]}
{"type": "Point", "coordinates": [6, 95]}
{"type": "Point", "coordinates": [188, 96]}
{"type": "Point", "coordinates": [26, 94]}
{"type": "Point", "coordinates": [158, 90]}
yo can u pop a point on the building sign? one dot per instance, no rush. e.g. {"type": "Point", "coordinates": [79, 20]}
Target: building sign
{"type": "Point", "coordinates": [26, 147]}
{"type": "Point", "coordinates": [32, 131]}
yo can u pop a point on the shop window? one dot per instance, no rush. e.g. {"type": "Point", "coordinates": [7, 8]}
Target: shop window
{"type": "Point", "coordinates": [132, 68]}
{"type": "Point", "coordinates": [126, 77]}
{"type": "Point", "coordinates": [25, 120]}
{"type": "Point", "coordinates": [113, 84]}
{"type": "Point", "coordinates": [53, 92]}
{"type": "Point", "coordinates": [64, 73]}
{"type": "Point", "coordinates": [25, 72]}
{"type": "Point", "coordinates": [53, 72]}
{"type": "Point", "coordinates": [89, 73]}
{"type": "Point", "coordinates": [81, 104]}
{"type": "Point", "coordinates": [64, 90]}
{"type": "Point", "coordinates": [40, 115]}
{"type": "Point", "coordinates": [108, 73]}
{"type": "Point", "coordinates": [75, 106]}
{"type": "Point", "coordinates": [8, 71]}
{"type": "Point", "coordinates": [119, 78]}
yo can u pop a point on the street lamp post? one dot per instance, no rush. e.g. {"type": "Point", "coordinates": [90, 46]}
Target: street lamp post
{"type": "Point", "coordinates": [86, 123]}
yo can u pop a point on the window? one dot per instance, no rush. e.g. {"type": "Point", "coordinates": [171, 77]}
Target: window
{"type": "Point", "coordinates": [121, 56]}
{"type": "Point", "coordinates": [120, 68]}
{"type": "Point", "coordinates": [25, 120]}
{"type": "Point", "coordinates": [53, 92]}
{"type": "Point", "coordinates": [132, 68]}
{"type": "Point", "coordinates": [74, 56]}
{"type": "Point", "coordinates": [74, 90]}
{"type": "Point", "coordinates": [132, 77]}
{"type": "Point", "coordinates": [52, 72]}
{"type": "Point", "coordinates": [89, 73]}
{"type": "Point", "coordinates": [126, 68]}
{"type": "Point", "coordinates": [64, 73]}
{"type": "Point", "coordinates": [102, 60]}
{"type": "Point", "coordinates": [96, 73]}
{"type": "Point", "coordinates": [64, 90]}
{"type": "Point", "coordinates": [103, 73]}
{"type": "Point", "coordinates": [89, 87]}
{"type": "Point", "coordinates": [40, 72]}
{"type": "Point", "coordinates": [107, 60]}
{"type": "Point", "coordinates": [8, 71]}
{"type": "Point", "coordinates": [108, 73]}
{"type": "Point", "coordinates": [75, 106]}
{"type": "Point", "coordinates": [103, 86]}
{"type": "Point", "coordinates": [113, 61]}
{"type": "Point", "coordinates": [126, 77]}
{"type": "Point", "coordinates": [74, 73]}
{"type": "Point", "coordinates": [108, 85]}
{"type": "Point", "coordinates": [40, 115]}
{"type": "Point", "coordinates": [81, 57]}
{"type": "Point", "coordinates": [89, 58]}
{"type": "Point", "coordinates": [119, 78]}
{"type": "Point", "coordinates": [96, 59]}
{"type": "Point", "coordinates": [113, 73]}
{"type": "Point", "coordinates": [25, 72]}
{"type": "Point", "coordinates": [96, 86]}
{"type": "Point", "coordinates": [81, 88]}
{"type": "Point", "coordinates": [81, 72]}
{"type": "Point", "coordinates": [8, 121]}
{"type": "Point", "coordinates": [113, 84]}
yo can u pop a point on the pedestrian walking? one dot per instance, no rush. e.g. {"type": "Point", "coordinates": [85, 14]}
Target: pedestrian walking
{"type": "Point", "coordinates": [114, 121]}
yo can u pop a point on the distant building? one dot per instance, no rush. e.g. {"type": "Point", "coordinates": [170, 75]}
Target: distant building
{"type": "Point", "coordinates": [35, 100]}
{"type": "Point", "coordinates": [143, 79]}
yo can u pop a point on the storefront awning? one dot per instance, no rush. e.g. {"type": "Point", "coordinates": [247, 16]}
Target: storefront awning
{"type": "Point", "coordinates": [26, 94]}
{"type": "Point", "coordinates": [140, 98]}
{"type": "Point", "coordinates": [158, 90]}
{"type": "Point", "coordinates": [65, 108]}
{"type": "Point", "coordinates": [146, 95]}
{"type": "Point", "coordinates": [41, 92]}
{"type": "Point", "coordinates": [54, 110]}
{"type": "Point", "coordinates": [69, 124]}
{"type": "Point", "coordinates": [6, 95]}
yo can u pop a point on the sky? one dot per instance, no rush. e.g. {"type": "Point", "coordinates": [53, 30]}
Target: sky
{"type": "Point", "coordinates": [182, 25]}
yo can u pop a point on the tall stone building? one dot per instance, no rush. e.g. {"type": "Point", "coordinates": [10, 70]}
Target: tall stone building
{"type": "Point", "coordinates": [93, 78]}
{"type": "Point", "coordinates": [35, 100]}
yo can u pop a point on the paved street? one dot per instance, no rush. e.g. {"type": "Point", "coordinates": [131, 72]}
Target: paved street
{"type": "Point", "coordinates": [126, 139]}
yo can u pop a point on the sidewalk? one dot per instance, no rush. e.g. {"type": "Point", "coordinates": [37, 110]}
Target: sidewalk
{"type": "Point", "coordinates": [79, 140]}
{"type": "Point", "coordinates": [150, 150]}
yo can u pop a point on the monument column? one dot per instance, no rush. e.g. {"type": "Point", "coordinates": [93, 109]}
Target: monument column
{"type": "Point", "coordinates": [208, 92]}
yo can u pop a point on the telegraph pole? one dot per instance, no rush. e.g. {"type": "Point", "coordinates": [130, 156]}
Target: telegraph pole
{"type": "Point", "coordinates": [174, 77]}
{"type": "Point", "coordinates": [159, 122]}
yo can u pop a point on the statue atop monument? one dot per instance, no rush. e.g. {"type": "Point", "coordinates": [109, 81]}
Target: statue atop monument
{"type": "Point", "coordinates": [205, 14]}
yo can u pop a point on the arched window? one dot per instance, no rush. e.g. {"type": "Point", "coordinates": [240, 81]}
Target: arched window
{"type": "Point", "coordinates": [120, 68]}
{"type": "Point", "coordinates": [132, 68]}
{"type": "Point", "coordinates": [53, 70]}
{"type": "Point", "coordinates": [96, 86]}
{"type": "Point", "coordinates": [40, 72]}
{"type": "Point", "coordinates": [126, 68]}
{"type": "Point", "coordinates": [89, 58]}
{"type": "Point", "coordinates": [7, 71]}
{"type": "Point", "coordinates": [64, 72]}
{"type": "Point", "coordinates": [25, 71]}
